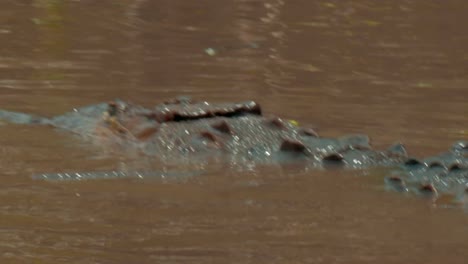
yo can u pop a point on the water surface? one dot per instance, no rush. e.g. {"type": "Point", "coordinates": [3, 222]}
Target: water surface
{"type": "Point", "coordinates": [395, 71]}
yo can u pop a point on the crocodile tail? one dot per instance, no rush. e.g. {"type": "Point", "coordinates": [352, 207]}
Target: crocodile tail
{"type": "Point", "coordinates": [21, 118]}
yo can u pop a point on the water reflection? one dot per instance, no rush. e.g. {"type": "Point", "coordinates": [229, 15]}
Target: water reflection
{"type": "Point", "coordinates": [52, 44]}
{"type": "Point", "coordinates": [134, 50]}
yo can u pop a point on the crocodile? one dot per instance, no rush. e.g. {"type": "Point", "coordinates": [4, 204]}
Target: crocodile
{"type": "Point", "coordinates": [182, 129]}
{"type": "Point", "coordinates": [443, 173]}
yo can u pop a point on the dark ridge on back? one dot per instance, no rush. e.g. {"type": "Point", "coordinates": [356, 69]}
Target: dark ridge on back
{"type": "Point", "coordinates": [229, 114]}
{"type": "Point", "coordinates": [191, 112]}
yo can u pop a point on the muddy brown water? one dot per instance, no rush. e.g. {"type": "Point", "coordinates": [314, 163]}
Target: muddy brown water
{"type": "Point", "coordinates": [395, 70]}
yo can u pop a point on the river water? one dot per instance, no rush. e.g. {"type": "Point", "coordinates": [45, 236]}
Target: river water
{"type": "Point", "coordinates": [395, 70]}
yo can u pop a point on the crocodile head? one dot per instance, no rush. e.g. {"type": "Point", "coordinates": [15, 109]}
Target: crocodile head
{"type": "Point", "coordinates": [141, 123]}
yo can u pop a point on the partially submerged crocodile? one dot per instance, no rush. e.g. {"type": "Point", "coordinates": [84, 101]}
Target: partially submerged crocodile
{"type": "Point", "coordinates": [182, 129]}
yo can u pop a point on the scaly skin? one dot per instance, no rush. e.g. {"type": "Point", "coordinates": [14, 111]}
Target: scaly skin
{"type": "Point", "coordinates": [238, 132]}
{"type": "Point", "coordinates": [443, 173]}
